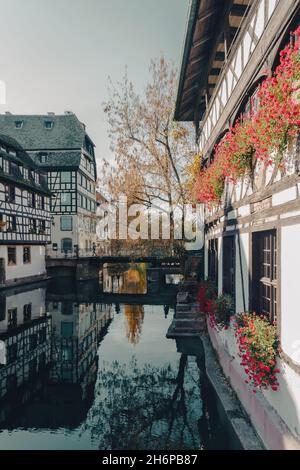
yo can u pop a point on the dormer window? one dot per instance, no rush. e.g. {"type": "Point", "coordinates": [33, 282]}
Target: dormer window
{"type": "Point", "coordinates": [18, 124]}
{"type": "Point", "coordinates": [49, 124]}
{"type": "Point", "coordinates": [6, 166]}
{"type": "Point", "coordinates": [43, 158]}
{"type": "Point", "coordinates": [37, 178]}
{"type": "Point", "coordinates": [25, 173]}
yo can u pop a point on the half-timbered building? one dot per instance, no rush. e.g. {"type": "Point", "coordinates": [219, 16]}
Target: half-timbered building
{"type": "Point", "coordinates": [252, 234]}
{"type": "Point", "coordinates": [60, 146]}
{"type": "Point", "coordinates": [25, 344]}
{"type": "Point", "coordinates": [24, 216]}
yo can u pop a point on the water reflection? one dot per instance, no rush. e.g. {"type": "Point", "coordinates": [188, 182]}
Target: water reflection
{"type": "Point", "coordinates": [125, 278]}
{"type": "Point", "coordinates": [73, 375]}
{"type": "Point", "coordinates": [147, 407]}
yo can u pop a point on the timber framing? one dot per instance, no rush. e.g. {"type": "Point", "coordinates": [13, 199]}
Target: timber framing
{"type": "Point", "coordinates": [211, 31]}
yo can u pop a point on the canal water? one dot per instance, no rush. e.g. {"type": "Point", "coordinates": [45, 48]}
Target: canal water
{"type": "Point", "coordinates": [88, 366]}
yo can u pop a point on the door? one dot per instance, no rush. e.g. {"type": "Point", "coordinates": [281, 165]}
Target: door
{"type": "Point", "coordinates": [66, 245]}
{"type": "Point", "coordinates": [2, 271]}
{"type": "Point", "coordinates": [229, 265]}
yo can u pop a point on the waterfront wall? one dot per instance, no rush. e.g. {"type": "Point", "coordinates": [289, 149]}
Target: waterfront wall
{"type": "Point", "coordinates": [275, 415]}
{"type": "Point", "coordinates": [24, 272]}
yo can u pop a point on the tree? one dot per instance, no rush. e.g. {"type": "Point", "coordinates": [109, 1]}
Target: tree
{"type": "Point", "coordinates": [151, 150]}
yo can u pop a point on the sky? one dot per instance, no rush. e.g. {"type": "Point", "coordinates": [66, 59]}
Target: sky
{"type": "Point", "coordinates": [57, 55]}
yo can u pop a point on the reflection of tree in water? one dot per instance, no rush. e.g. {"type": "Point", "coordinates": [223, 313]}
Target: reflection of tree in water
{"type": "Point", "coordinates": [135, 279]}
{"type": "Point", "coordinates": [148, 407]}
{"type": "Point", "coordinates": [134, 315]}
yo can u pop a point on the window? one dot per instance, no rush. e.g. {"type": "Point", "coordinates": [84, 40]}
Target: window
{"type": "Point", "coordinates": [31, 199]}
{"type": "Point", "coordinates": [26, 255]}
{"type": "Point", "coordinates": [65, 177]}
{"type": "Point", "coordinates": [11, 223]}
{"type": "Point", "coordinates": [66, 329]}
{"type": "Point", "coordinates": [42, 227]}
{"type": "Point", "coordinates": [66, 199]}
{"type": "Point", "coordinates": [43, 158]}
{"type": "Point", "coordinates": [25, 173]}
{"type": "Point", "coordinates": [27, 310]}
{"type": "Point", "coordinates": [12, 353]}
{"type": "Point", "coordinates": [37, 178]}
{"type": "Point", "coordinates": [229, 265]}
{"type": "Point", "coordinates": [18, 124]}
{"type": "Point", "coordinates": [33, 341]}
{"type": "Point", "coordinates": [10, 193]}
{"type": "Point", "coordinates": [6, 166]}
{"type": "Point", "coordinates": [264, 288]}
{"type": "Point", "coordinates": [42, 335]}
{"type": "Point", "coordinates": [48, 124]}
{"type": "Point", "coordinates": [67, 353]}
{"type": "Point", "coordinates": [213, 260]}
{"type": "Point", "coordinates": [66, 223]}
{"type": "Point", "coordinates": [12, 318]}
{"type": "Point", "coordinates": [11, 256]}
{"type": "Point", "coordinates": [32, 226]}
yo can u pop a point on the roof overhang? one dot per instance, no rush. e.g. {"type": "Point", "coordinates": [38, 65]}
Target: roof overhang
{"type": "Point", "coordinates": [211, 24]}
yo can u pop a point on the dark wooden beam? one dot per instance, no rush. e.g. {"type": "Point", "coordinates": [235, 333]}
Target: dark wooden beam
{"type": "Point", "coordinates": [220, 56]}
{"type": "Point", "coordinates": [238, 10]}
{"type": "Point", "coordinates": [219, 31]}
{"type": "Point", "coordinates": [215, 71]}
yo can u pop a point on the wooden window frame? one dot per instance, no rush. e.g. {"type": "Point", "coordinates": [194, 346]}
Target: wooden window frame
{"type": "Point", "coordinates": [229, 263]}
{"type": "Point", "coordinates": [213, 259]}
{"type": "Point", "coordinates": [265, 274]}
{"type": "Point", "coordinates": [25, 248]}
{"type": "Point", "coordinates": [11, 263]}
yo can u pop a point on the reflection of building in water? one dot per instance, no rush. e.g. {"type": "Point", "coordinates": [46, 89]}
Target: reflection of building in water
{"type": "Point", "coordinates": [77, 328]}
{"type": "Point", "coordinates": [125, 278]}
{"type": "Point", "coordinates": [134, 315]}
{"type": "Point", "coordinates": [25, 331]}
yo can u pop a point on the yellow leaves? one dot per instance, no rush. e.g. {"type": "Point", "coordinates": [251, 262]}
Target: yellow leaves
{"type": "Point", "coordinates": [192, 170]}
{"type": "Point", "coordinates": [179, 132]}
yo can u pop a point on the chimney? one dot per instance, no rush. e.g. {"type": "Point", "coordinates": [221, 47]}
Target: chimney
{"type": "Point", "coordinates": [50, 113]}
{"type": "Point", "coordinates": [8, 113]}
{"type": "Point", "coordinates": [69, 113]}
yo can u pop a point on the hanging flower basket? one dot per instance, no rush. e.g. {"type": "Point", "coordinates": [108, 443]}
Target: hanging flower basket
{"type": "Point", "coordinates": [262, 136]}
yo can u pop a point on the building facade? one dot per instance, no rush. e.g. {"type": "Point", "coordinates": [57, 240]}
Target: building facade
{"type": "Point", "coordinates": [60, 146]}
{"type": "Point", "coordinates": [252, 234]}
{"type": "Point", "coordinates": [25, 343]}
{"type": "Point", "coordinates": [24, 216]}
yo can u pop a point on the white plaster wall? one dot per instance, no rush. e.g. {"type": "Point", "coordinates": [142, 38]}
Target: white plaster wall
{"type": "Point", "coordinates": [36, 298]}
{"type": "Point", "coordinates": [57, 234]}
{"type": "Point", "coordinates": [286, 400]}
{"type": "Point", "coordinates": [290, 315]}
{"type": "Point", "coordinates": [242, 269]}
{"type": "Point", "coordinates": [21, 270]}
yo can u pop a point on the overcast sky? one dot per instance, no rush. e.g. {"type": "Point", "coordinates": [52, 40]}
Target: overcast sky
{"type": "Point", "coordinates": [57, 55]}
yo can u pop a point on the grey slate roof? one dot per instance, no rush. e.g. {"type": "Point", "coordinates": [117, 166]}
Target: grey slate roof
{"type": "Point", "coordinates": [67, 159]}
{"type": "Point", "coordinates": [67, 132]}
{"type": "Point", "coordinates": [21, 157]}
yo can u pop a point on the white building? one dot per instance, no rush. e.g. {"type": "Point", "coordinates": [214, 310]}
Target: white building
{"type": "Point", "coordinates": [24, 216]}
{"type": "Point", "coordinates": [25, 345]}
{"type": "Point", "coordinates": [252, 234]}
{"type": "Point", "coordinates": [60, 146]}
